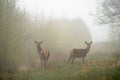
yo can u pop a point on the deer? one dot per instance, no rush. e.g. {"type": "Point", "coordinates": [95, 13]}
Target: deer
{"type": "Point", "coordinates": [79, 53]}
{"type": "Point", "coordinates": [43, 53]}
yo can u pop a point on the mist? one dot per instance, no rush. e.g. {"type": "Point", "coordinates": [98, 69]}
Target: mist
{"type": "Point", "coordinates": [27, 37]}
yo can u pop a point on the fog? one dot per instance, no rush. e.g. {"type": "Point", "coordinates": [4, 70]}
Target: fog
{"type": "Point", "coordinates": [60, 30]}
{"type": "Point", "coordinates": [58, 35]}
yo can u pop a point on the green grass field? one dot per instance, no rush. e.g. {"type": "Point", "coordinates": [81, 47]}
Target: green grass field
{"type": "Point", "coordinates": [100, 68]}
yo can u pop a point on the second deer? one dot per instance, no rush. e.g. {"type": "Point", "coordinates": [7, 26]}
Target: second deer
{"type": "Point", "coordinates": [79, 53]}
{"type": "Point", "coordinates": [43, 53]}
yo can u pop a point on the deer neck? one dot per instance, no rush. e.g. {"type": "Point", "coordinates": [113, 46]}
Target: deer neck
{"type": "Point", "coordinates": [87, 49]}
{"type": "Point", "coordinates": [39, 49]}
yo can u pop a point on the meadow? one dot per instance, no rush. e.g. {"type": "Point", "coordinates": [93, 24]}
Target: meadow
{"type": "Point", "coordinates": [20, 29]}
{"type": "Point", "coordinates": [99, 67]}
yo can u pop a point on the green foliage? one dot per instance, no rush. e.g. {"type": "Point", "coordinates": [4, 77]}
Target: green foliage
{"type": "Point", "coordinates": [9, 19]}
{"type": "Point", "coordinates": [77, 71]}
{"type": "Point", "coordinates": [18, 32]}
{"type": "Point", "coordinates": [72, 72]}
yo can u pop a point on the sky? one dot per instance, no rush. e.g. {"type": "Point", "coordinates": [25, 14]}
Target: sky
{"type": "Point", "coordinates": [70, 9]}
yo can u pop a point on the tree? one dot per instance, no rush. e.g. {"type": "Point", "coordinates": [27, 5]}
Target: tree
{"type": "Point", "coordinates": [10, 18]}
{"type": "Point", "coordinates": [108, 13]}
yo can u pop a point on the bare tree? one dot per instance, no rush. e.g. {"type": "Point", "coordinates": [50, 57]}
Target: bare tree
{"type": "Point", "coordinates": [108, 12]}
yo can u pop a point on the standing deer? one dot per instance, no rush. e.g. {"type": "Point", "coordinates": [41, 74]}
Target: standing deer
{"type": "Point", "coordinates": [79, 53]}
{"type": "Point", "coordinates": [43, 53]}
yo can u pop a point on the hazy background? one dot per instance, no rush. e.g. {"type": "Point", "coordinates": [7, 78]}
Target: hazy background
{"type": "Point", "coordinates": [67, 9]}
{"type": "Point", "coordinates": [61, 24]}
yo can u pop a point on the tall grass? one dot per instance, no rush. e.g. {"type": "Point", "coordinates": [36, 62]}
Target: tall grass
{"type": "Point", "coordinates": [92, 69]}
{"type": "Point", "coordinates": [74, 72]}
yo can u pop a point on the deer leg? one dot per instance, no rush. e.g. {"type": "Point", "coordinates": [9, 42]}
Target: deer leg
{"type": "Point", "coordinates": [83, 60]}
{"type": "Point", "coordinates": [73, 59]}
{"type": "Point", "coordinates": [69, 59]}
{"type": "Point", "coordinates": [46, 61]}
{"type": "Point", "coordinates": [41, 62]}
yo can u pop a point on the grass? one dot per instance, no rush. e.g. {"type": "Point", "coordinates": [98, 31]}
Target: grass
{"type": "Point", "coordinates": [96, 69]}
{"type": "Point", "coordinates": [75, 72]}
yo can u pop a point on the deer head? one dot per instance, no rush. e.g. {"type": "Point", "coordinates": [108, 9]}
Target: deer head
{"type": "Point", "coordinates": [38, 44]}
{"type": "Point", "coordinates": [88, 45]}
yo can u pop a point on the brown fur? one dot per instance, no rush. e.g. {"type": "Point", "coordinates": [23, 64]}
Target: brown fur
{"type": "Point", "coordinates": [79, 53]}
{"type": "Point", "coordinates": [43, 53]}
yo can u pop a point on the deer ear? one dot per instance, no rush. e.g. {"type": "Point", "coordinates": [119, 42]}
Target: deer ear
{"type": "Point", "coordinates": [41, 41]}
{"type": "Point", "coordinates": [91, 42]}
{"type": "Point", "coordinates": [35, 42]}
